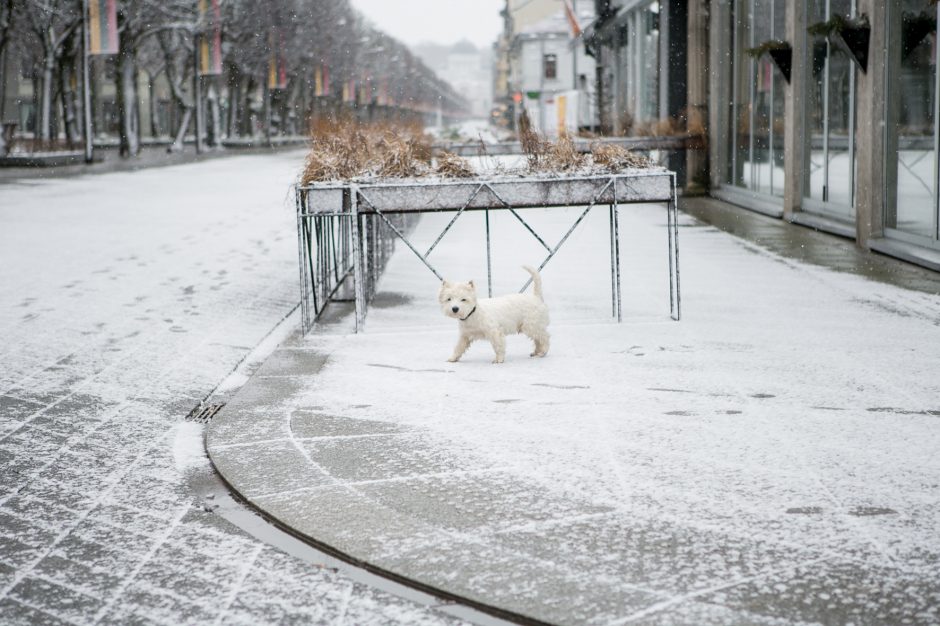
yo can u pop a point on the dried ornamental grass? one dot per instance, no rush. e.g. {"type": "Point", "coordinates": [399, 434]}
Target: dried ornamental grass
{"type": "Point", "coordinates": [615, 158]}
{"type": "Point", "coordinates": [449, 165]}
{"type": "Point", "coordinates": [346, 150]}
{"type": "Point", "coordinates": [400, 158]}
{"type": "Point", "coordinates": [562, 156]}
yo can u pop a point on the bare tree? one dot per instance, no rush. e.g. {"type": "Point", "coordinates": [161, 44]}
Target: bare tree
{"type": "Point", "coordinates": [6, 26]}
{"type": "Point", "coordinates": [51, 24]}
{"type": "Point", "coordinates": [157, 37]}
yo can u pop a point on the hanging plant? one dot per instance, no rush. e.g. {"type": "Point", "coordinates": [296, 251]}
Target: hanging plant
{"type": "Point", "coordinates": [781, 53]}
{"type": "Point", "coordinates": [820, 52]}
{"type": "Point", "coordinates": [915, 29]}
{"type": "Point", "coordinates": [850, 34]}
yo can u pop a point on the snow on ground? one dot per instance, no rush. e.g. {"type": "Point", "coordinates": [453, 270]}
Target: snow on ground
{"type": "Point", "coordinates": [792, 407]}
{"type": "Point", "coordinates": [125, 298]}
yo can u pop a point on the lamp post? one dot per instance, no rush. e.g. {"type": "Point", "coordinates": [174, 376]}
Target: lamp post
{"type": "Point", "coordinates": [86, 87]}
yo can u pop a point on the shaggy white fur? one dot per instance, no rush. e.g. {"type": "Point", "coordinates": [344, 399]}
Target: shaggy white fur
{"type": "Point", "coordinates": [494, 318]}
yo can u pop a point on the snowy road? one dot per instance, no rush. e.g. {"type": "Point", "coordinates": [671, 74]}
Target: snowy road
{"type": "Point", "coordinates": [124, 299]}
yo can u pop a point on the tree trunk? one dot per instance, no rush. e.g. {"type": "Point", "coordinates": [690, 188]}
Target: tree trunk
{"type": "Point", "coordinates": [44, 130]}
{"type": "Point", "coordinates": [177, 145]}
{"type": "Point", "coordinates": [72, 132]}
{"type": "Point", "coordinates": [215, 121]}
{"type": "Point", "coordinates": [155, 127]}
{"type": "Point", "coordinates": [175, 81]}
{"type": "Point", "coordinates": [234, 102]}
{"type": "Point", "coordinates": [127, 102]}
{"type": "Point", "coordinates": [247, 123]}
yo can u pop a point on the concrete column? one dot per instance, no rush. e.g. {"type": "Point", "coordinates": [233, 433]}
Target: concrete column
{"type": "Point", "coordinates": [697, 78]}
{"type": "Point", "coordinates": [719, 86]}
{"type": "Point", "coordinates": [873, 93]}
{"type": "Point", "coordinates": [796, 122]}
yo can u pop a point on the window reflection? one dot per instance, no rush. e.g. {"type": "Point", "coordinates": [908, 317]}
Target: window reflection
{"type": "Point", "coordinates": [757, 107]}
{"type": "Point", "coordinates": [912, 113]}
{"type": "Point", "coordinates": [831, 137]}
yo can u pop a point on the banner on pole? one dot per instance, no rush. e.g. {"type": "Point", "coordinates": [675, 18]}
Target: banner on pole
{"type": "Point", "coordinates": [349, 90]}
{"type": "Point", "coordinates": [210, 43]}
{"type": "Point", "coordinates": [102, 27]}
{"type": "Point", "coordinates": [277, 67]}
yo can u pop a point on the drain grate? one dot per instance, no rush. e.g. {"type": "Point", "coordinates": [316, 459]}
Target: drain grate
{"type": "Point", "coordinates": [203, 413]}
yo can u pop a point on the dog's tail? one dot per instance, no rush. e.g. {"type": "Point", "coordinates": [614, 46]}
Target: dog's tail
{"type": "Point", "coordinates": [536, 281]}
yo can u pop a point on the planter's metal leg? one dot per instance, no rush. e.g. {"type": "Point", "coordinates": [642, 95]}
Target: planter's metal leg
{"type": "Point", "coordinates": [613, 267]}
{"type": "Point", "coordinates": [489, 261]}
{"type": "Point", "coordinates": [358, 259]}
{"type": "Point", "coordinates": [311, 269]}
{"type": "Point", "coordinates": [618, 290]}
{"type": "Point", "coordinates": [672, 223]}
{"type": "Point", "coordinates": [304, 313]}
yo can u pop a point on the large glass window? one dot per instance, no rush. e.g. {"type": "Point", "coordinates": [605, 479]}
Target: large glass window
{"type": "Point", "coordinates": [756, 120]}
{"type": "Point", "coordinates": [831, 164]}
{"type": "Point", "coordinates": [641, 63]}
{"type": "Point", "coordinates": [911, 111]}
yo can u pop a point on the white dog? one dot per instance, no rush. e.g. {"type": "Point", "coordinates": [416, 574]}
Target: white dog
{"type": "Point", "coordinates": [494, 318]}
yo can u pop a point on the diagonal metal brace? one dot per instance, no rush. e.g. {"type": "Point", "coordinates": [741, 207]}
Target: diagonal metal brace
{"type": "Point", "coordinates": [570, 230]}
{"type": "Point", "coordinates": [400, 235]}
{"type": "Point", "coordinates": [451, 223]}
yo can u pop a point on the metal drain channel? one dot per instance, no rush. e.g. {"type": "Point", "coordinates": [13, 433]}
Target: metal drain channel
{"type": "Point", "coordinates": [203, 413]}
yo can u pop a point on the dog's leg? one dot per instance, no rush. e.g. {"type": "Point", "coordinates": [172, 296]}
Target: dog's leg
{"type": "Point", "coordinates": [499, 347]}
{"type": "Point", "coordinates": [539, 337]}
{"type": "Point", "coordinates": [541, 345]}
{"type": "Point", "coordinates": [462, 344]}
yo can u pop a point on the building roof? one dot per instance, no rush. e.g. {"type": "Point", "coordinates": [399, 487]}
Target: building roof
{"type": "Point", "coordinates": [464, 46]}
{"type": "Point", "coordinates": [558, 22]}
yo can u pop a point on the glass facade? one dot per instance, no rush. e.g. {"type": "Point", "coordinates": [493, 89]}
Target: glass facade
{"type": "Point", "coordinates": [756, 113]}
{"type": "Point", "coordinates": [830, 168]}
{"type": "Point", "coordinates": [637, 68]}
{"type": "Point", "coordinates": [912, 170]}
{"type": "Point", "coordinates": [895, 206]}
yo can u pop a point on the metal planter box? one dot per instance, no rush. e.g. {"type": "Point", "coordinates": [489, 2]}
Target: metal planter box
{"type": "Point", "coordinates": [347, 229]}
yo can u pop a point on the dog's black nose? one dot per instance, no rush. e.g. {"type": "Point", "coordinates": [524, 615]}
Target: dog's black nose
{"type": "Point", "coordinates": [455, 308]}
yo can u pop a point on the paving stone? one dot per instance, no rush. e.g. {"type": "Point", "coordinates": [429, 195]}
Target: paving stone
{"type": "Point", "coordinates": [17, 614]}
{"type": "Point", "coordinates": [92, 581]}
{"type": "Point", "coordinates": [838, 592]}
{"type": "Point", "coordinates": [281, 466]}
{"type": "Point", "coordinates": [306, 423]}
{"type": "Point", "coordinates": [366, 459]}
{"type": "Point", "coordinates": [61, 601]}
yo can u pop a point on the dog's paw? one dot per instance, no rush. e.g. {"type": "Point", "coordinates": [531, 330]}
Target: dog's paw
{"type": "Point", "coordinates": [498, 360]}
{"type": "Point", "coordinates": [453, 359]}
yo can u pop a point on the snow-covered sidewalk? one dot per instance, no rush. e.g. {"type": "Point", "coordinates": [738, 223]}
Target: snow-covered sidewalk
{"type": "Point", "coordinates": [125, 298]}
{"type": "Point", "coordinates": [773, 456]}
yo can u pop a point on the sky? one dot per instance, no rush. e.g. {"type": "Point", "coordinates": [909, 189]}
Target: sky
{"type": "Point", "coordinates": [437, 21]}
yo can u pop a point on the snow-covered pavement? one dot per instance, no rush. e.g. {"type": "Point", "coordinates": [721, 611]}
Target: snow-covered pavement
{"type": "Point", "coordinates": [124, 299]}
{"type": "Point", "coordinates": [772, 458]}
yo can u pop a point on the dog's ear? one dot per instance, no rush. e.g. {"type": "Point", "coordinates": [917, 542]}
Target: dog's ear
{"type": "Point", "coordinates": [445, 284]}
{"type": "Point", "coordinates": [472, 286]}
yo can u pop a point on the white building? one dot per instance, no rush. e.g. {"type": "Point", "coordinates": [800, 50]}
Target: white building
{"type": "Point", "coordinates": [467, 68]}
{"type": "Point", "coordinates": [550, 75]}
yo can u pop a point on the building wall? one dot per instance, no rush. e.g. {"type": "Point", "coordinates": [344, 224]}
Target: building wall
{"type": "Point", "coordinates": [842, 148]}
{"type": "Point", "coordinates": [539, 35]}
{"type": "Point", "coordinates": [525, 13]}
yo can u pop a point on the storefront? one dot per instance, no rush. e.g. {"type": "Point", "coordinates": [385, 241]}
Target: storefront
{"type": "Point", "coordinates": [849, 143]}
{"type": "Point", "coordinates": [749, 93]}
{"type": "Point", "coordinates": [911, 113]}
{"type": "Point", "coordinates": [829, 125]}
